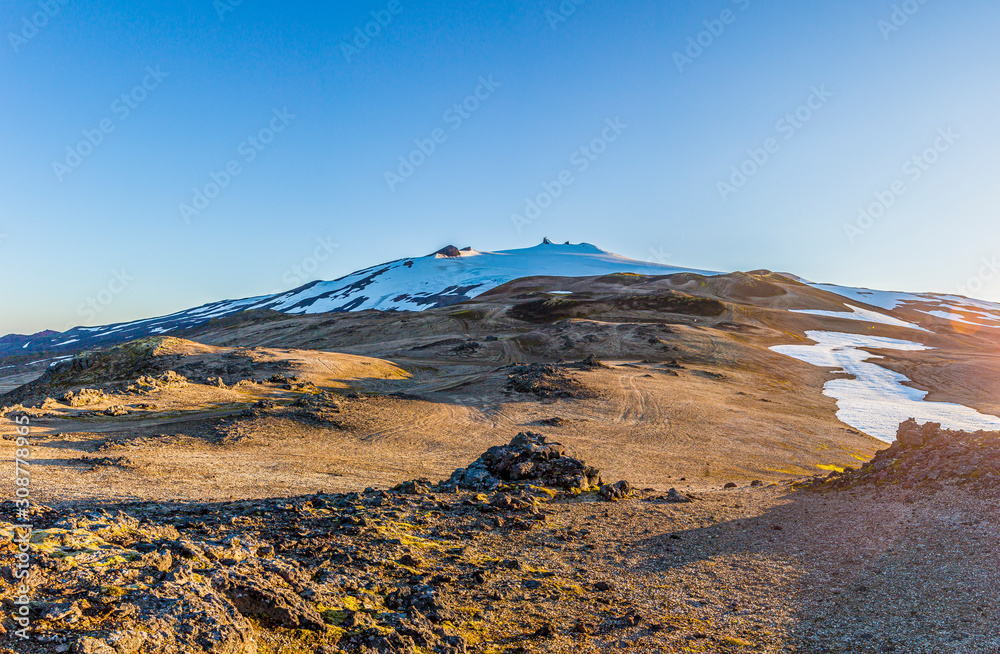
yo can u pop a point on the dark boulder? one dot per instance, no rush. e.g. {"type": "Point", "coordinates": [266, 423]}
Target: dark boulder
{"type": "Point", "coordinates": [528, 458]}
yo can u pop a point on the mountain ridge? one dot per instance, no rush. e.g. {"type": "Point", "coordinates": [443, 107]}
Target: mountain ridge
{"type": "Point", "coordinates": [450, 276]}
{"type": "Point", "coordinates": [445, 277]}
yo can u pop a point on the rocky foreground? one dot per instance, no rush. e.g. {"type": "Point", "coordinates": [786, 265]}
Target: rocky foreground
{"type": "Point", "coordinates": [525, 550]}
{"type": "Point", "coordinates": [379, 571]}
{"type": "Point", "coordinates": [928, 457]}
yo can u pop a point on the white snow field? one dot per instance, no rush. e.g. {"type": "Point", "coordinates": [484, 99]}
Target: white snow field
{"type": "Point", "coordinates": [883, 299]}
{"type": "Point", "coordinates": [864, 315]}
{"type": "Point", "coordinates": [876, 400]}
{"type": "Point", "coordinates": [933, 304]}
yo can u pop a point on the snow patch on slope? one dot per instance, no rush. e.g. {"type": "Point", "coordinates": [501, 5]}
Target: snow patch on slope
{"type": "Point", "coordinates": [876, 400]}
{"type": "Point", "coordinates": [962, 318]}
{"type": "Point", "coordinates": [888, 300]}
{"type": "Point", "coordinates": [864, 315]}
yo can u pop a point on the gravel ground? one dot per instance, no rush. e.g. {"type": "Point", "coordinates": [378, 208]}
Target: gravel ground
{"type": "Point", "coordinates": [751, 569]}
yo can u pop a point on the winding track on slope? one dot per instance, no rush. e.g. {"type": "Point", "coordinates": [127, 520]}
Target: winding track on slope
{"type": "Point", "coordinates": [632, 405]}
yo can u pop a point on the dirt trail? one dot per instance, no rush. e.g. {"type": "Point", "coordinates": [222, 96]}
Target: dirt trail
{"type": "Point", "coordinates": [632, 400]}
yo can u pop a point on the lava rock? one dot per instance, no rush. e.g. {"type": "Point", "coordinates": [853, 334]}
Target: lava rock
{"type": "Point", "coordinates": [254, 594]}
{"type": "Point", "coordinates": [530, 458]}
{"type": "Point", "coordinates": [616, 491]}
{"type": "Point", "coordinates": [924, 456]}
{"type": "Point", "coordinates": [674, 496]}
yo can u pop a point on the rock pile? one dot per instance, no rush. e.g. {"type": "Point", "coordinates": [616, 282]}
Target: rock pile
{"type": "Point", "coordinates": [84, 397]}
{"type": "Point", "coordinates": [528, 458]}
{"type": "Point", "coordinates": [149, 383]}
{"type": "Point", "coordinates": [589, 363]}
{"type": "Point", "coordinates": [927, 456]}
{"type": "Point", "coordinates": [543, 380]}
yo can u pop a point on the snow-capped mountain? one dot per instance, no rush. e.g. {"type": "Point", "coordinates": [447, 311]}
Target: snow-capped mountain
{"type": "Point", "coordinates": [445, 277]}
{"type": "Point", "coordinates": [451, 275]}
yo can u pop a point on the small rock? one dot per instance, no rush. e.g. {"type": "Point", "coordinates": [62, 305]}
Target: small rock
{"type": "Point", "coordinates": [416, 487]}
{"type": "Point", "coordinates": [616, 491]}
{"type": "Point", "coordinates": [88, 645]}
{"type": "Point", "coordinates": [547, 630]}
{"type": "Point", "coordinates": [674, 496]}
{"type": "Point", "coordinates": [259, 594]}
{"type": "Point", "coordinates": [410, 560]}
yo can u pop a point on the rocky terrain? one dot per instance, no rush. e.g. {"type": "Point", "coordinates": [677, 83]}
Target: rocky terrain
{"type": "Point", "coordinates": [929, 458]}
{"type": "Point", "coordinates": [523, 550]}
{"type": "Point", "coordinates": [628, 467]}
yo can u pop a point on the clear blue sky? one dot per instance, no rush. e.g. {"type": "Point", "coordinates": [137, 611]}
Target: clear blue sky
{"type": "Point", "coordinates": [72, 231]}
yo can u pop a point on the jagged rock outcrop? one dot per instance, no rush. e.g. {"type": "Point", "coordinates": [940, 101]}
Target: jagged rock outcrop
{"type": "Point", "coordinates": [927, 456]}
{"type": "Point", "coordinates": [528, 458]}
